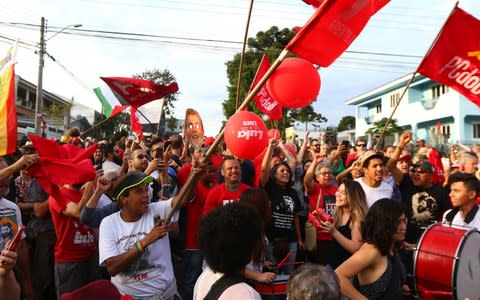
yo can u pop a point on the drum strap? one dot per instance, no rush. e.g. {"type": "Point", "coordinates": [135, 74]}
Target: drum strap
{"type": "Point", "coordinates": [468, 218]}
{"type": "Point", "coordinates": [222, 284]}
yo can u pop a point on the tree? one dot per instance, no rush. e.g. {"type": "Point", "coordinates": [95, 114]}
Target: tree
{"type": "Point", "coordinates": [57, 113]}
{"type": "Point", "coordinates": [270, 42]}
{"type": "Point", "coordinates": [117, 126]}
{"type": "Point", "coordinates": [346, 123]}
{"type": "Point", "coordinates": [307, 115]}
{"type": "Point", "coordinates": [172, 123]}
{"type": "Point", "coordinates": [377, 128]}
{"type": "Point", "coordinates": [162, 77]}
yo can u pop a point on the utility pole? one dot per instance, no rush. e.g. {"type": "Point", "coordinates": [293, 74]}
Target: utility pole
{"type": "Point", "coordinates": [41, 62]}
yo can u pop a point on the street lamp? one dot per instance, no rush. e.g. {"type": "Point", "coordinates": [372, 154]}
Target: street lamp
{"type": "Point", "coordinates": [41, 62]}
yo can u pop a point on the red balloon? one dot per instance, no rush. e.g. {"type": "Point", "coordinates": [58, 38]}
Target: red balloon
{"type": "Point", "coordinates": [295, 83]}
{"type": "Point", "coordinates": [274, 133]}
{"type": "Point", "coordinates": [246, 135]}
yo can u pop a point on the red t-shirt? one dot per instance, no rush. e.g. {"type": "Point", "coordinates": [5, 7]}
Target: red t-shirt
{"type": "Point", "coordinates": [327, 202]}
{"type": "Point", "coordinates": [75, 242]}
{"type": "Point", "coordinates": [219, 196]}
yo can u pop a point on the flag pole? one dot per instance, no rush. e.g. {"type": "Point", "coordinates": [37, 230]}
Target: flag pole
{"type": "Point", "coordinates": [145, 118]}
{"type": "Point", "coordinates": [94, 126]}
{"type": "Point", "coordinates": [412, 77]}
{"type": "Point", "coordinates": [240, 69]}
{"type": "Point", "coordinates": [194, 176]}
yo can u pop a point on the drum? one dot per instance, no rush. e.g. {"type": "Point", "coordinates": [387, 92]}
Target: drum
{"type": "Point", "coordinates": [447, 263]}
{"type": "Point", "coordinates": [277, 287]}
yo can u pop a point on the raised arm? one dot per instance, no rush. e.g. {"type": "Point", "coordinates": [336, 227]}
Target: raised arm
{"type": "Point", "coordinates": [405, 138]}
{"type": "Point", "coordinates": [310, 174]}
{"type": "Point", "coordinates": [303, 148]}
{"type": "Point", "coordinates": [265, 168]}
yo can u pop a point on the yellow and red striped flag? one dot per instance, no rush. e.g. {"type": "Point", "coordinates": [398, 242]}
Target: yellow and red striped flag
{"type": "Point", "coordinates": [8, 113]}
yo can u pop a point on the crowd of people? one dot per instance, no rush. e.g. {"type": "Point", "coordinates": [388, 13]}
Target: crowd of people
{"type": "Point", "coordinates": [160, 220]}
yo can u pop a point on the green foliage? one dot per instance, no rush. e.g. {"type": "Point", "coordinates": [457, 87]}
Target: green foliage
{"type": "Point", "coordinates": [346, 123]}
{"type": "Point", "coordinates": [116, 127]}
{"type": "Point", "coordinates": [377, 127]}
{"type": "Point", "coordinates": [162, 77]}
{"type": "Point", "coordinates": [171, 123]}
{"type": "Point", "coordinates": [307, 115]}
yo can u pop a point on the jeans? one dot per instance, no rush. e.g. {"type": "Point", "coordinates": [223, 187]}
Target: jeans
{"type": "Point", "coordinates": [287, 268]}
{"type": "Point", "coordinates": [193, 260]}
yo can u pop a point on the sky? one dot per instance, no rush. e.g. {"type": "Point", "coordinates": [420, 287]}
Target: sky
{"type": "Point", "coordinates": [194, 39]}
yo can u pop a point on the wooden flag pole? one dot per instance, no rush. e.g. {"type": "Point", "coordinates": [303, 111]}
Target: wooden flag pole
{"type": "Point", "coordinates": [192, 179]}
{"type": "Point", "coordinates": [411, 79]}
{"type": "Point", "coordinates": [94, 126]}
{"type": "Point", "coordinates": [240, 69]}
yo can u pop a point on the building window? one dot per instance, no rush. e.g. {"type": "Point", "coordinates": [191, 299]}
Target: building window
{"type": "Point", "coordinates": [438, 90]}
{"type": "Point", "coordinates": [378, 108]}
{"type": "Point", "coordinates": [476, 130]}
{"type": "Point", "coordinates": [445, 130]}
{"type": "Point", "coordinates": [394, 99]}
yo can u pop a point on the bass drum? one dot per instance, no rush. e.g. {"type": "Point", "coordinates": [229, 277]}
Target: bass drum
{"type": "Point", "coordinates": [447, 263]}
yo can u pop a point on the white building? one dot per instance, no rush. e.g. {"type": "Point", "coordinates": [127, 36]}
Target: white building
{"type": "Point", "coordinates": [432, 111]}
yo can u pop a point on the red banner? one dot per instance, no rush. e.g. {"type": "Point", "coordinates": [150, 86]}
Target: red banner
{"type": "Point", "coordinates": [135, 125]}
{"type": "Point", "coordinates": [264, 101]}
{"type": "Point", "coordinates": [455, 58]}
{"type": "Point", "coordinates": [137, 92]}
{"type": "Point", "coordinates": [332, 28]}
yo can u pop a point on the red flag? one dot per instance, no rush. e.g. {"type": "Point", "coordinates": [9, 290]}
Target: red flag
{"type": "Point", "coordinates": [332, 28]}
{"type": "Point", "coordinates": [314, 3]}
{"type": "Point", "coordinates": [61, 164]}
{"type": "Point", "coordinates": [137, 92]}
{"type": "Point", "coordinates": [438, 130]}
{"type": "Point", "coordinates": [8, 112]}
{"type": "Point", "coordinates": [264, 101]}
{"type": "Point", "coordinates": [135, 123]}
{"type": "Point", "coordinates": [455, 58]}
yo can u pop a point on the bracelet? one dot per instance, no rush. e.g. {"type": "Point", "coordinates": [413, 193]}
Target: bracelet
{"type": "Point", "coordinates": [139, 247]}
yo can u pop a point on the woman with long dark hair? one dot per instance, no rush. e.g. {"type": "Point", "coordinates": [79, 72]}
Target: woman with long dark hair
{"type": "Point", "coordinates": [376, 268]}
{"type": "Point", "coordinates": [284, 230]}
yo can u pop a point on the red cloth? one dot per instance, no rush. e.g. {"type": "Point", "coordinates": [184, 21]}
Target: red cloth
{"type": "Point", "coordinates": [135, 123]}
{"type": "Point", "coordinates": [328, 192]}
{"type": "Point", "coordinates": [314, 3]}
{"type": "Point", "coordinates": [263, 99]}
{"type": "Point", "coordinates": [100, 289]}
{"type": "Point", "coordinates": [332, 28]}
{"type": "Point", "coordinates": [454, 59]}
{"type": "Point", "coordinates": [75, 242]}
{"type": "Point", "coordinates": [219, 196]}
{"type": "Point", "coordinates": [435, 158]}
{"type": "Point", "coordinates": [137, 92]}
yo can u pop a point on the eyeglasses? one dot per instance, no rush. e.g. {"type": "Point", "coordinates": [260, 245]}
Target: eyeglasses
{"type": "Point", "coordinates": [418, 170]}
{"type": "Point", "coordinates": [361, 145]}
{"type": "Point", "coordinates": [325, 174]}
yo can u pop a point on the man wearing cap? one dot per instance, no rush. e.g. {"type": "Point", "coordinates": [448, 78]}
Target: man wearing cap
{"type": "Point", "coordinates": [132, 242]}
{"type": "Point", "coordinates": [404, 162]}
{"type": "Point", "coordinates": [465, 189]}
{"type": "Point", "coordinates": [425, 202]}
{"type": "Point", "coordinates": [372, 181]}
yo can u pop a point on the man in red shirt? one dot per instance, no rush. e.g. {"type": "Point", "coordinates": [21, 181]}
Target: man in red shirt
{"type": "Point", "coordinates": [193, 259]}
{"type": "Point", "coordinates": [230, 190]}
{"type": "Point", "coordinates": [75, 262]}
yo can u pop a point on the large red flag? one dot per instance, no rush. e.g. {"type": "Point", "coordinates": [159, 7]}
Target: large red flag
{"type": "Point", "coordinates": [8, 112]}
{"type": "Point", "coordinates": [332, 28]}
{"type": "Point", "coordinates": [137, 92]}
{"type": "Point", "coordinates": [264, 101]}
{"type": "Point", "coordinates": [455, 58]}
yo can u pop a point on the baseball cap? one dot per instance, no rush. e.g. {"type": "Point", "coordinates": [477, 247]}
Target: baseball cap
{"type": "Point", "coordinates": [424, 164]}
{"type": "Point", "coordinates": [405, 157]}
{"type": "Point", "coordinates": [130, 180]}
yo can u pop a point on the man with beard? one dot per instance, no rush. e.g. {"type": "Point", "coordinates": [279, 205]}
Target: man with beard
{"type": "Point", "coordinates": [372, 183]}
{"type": "Point", "coordinates": [230, 190]}
{"type": "Point", "coordinates": [193, 128]}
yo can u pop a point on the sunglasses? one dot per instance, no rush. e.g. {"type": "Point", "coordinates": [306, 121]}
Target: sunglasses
{"type": "Point", "coordinates": [361, 145]}
{"type": "Point", "coordinates": [316, 145]}
{"type": "Point", "coordinates": [418, 170]}
{"type": "Point", "coordinates": [141, 156]}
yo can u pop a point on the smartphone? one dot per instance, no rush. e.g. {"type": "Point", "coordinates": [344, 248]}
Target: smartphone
{"type": "Point", "coordinates": [159, 153]}
{"type": "Point", "coordinates": [17, 238]}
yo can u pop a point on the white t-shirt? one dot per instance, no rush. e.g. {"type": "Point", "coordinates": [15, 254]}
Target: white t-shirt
{"type": "Point", "coordinates": [152, 273]}
{"type": "Point", "coordinates": [10, 220]}
{"type": "Point", "coordinates": [458, 220]}
{"type": "Point", "coordinates": [239, 291]}
{"type": "Point", "coordinates": [384, 190]}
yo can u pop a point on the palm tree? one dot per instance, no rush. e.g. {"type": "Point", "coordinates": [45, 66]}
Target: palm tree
{"type": "Point", "coordinates": [377, 128]}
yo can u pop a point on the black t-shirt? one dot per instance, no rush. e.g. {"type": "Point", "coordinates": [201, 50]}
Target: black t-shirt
{"type": "Point", "coordinates": [285, 204]}
{"type": "Point", "coordinates": [424, 206]}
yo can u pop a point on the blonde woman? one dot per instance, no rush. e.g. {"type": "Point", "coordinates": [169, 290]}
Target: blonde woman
{"type": "Point", "coordinates": [350, 211]}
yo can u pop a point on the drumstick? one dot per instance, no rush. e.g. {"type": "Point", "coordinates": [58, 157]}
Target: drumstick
{"type": "Point", "coordinates": [282, 262]}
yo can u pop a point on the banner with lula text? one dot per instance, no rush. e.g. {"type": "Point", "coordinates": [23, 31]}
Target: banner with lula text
{"type": "Point", "coordinates": [8, 112]}
{"type": "Point", "coordinates": [454, 60]}
{"type": "Point", "coordinates": [332, 28]}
